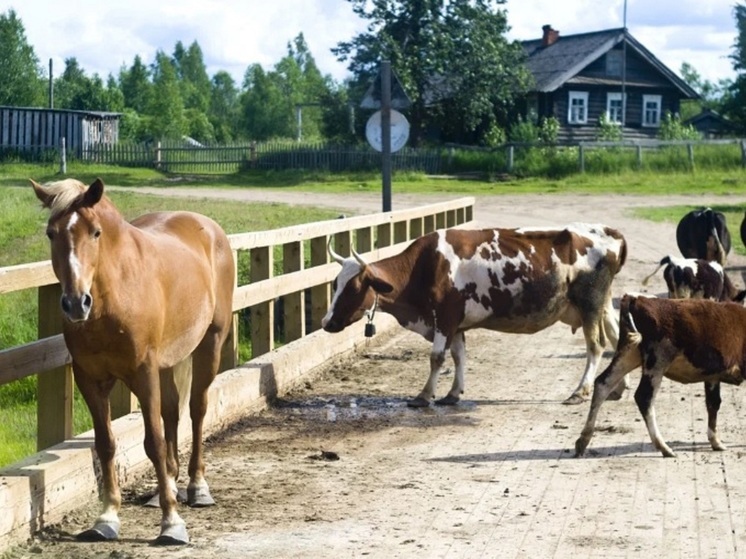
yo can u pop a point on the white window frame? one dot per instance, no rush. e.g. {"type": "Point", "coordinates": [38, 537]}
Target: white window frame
{"type": "Point", "coordinates": [658, 100]}
{"type": "Point", "coordinates": [614, 117]}
{"type": "Point", "coordinates": [573, 116]}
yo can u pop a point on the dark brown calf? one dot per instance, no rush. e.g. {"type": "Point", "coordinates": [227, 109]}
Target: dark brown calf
{"type": "Point", "coordinates": [686, 340]}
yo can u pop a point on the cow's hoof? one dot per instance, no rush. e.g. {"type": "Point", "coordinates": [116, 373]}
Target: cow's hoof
{"type": "Point", "coordinates": [101, 532]}
{"type": "Point", "coordinates": [448, 401]}
{"type": "Point", "coordinates": [418, 402]}
{"type": "Point", "coordinates": [580, 446]}
{"type": "Point", "coordinates": [199, 497]}
{"type": "Point", "coordinates": [173, 535]}
{"type": "Point", "coordinates": [574, 400]}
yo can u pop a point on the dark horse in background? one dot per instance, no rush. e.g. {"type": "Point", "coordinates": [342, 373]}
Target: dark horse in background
{"type": "Point", "coordinates": [137, 298]}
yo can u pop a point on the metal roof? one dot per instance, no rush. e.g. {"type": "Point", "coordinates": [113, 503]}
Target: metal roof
{"type": "Point", "coordinates": [554, 65]}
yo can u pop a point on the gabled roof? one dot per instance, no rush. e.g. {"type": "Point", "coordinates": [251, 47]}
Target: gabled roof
{"type": "Point", "coordinates": [552, 66]}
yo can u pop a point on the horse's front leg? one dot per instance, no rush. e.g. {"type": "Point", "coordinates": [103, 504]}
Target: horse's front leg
{"type": "Point", "coordinates": [437, 358]}
{"type": "Point", "coordinates": [96, 395]}
{"type": "Point", "coordinates": [146, 386]}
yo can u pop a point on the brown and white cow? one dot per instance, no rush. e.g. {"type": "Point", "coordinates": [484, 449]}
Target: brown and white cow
{"type": "Point", "coordinates": [696, 278]}
{"type": "Point", "coordinates": [511, 280]}
{"type": "Point", "coordinates": [686, 340]}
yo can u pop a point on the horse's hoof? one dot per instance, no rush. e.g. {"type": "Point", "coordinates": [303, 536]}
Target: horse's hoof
{"type": "Point", "coordinates": [101, 532]}
{"type": "Point", "coordinates": [154, 501]}
{"type": "Point", "coordinates": [199, 497]}
{"type": "Point", "coordinates": [173, 535]}
{"type": "Point", "coordinates": [418, 402]}
{"type": "Point", "coordinates": [574, 400]}
{"type": "Point", "coordinates": [448, 401]}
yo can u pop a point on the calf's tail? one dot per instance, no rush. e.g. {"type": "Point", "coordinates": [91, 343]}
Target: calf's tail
{"type": "Point", "coordinates": [664, 262]}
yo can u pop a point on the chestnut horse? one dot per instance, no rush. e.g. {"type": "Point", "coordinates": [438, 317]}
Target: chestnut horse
{"type": "Point", "coordinates": [137, 298]}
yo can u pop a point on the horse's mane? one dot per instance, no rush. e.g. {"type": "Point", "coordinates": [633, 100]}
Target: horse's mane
{"type": "Point", "coordinates": [64, 193]}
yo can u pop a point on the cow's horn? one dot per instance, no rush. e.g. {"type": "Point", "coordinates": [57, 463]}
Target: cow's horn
{"type": "Point", "coordinates": [359, 258]}
{"type": "Point", "coordinates": [337, 258]}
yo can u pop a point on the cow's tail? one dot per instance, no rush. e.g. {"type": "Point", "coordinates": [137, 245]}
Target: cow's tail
{"type": "Point", "coordinates": [627, 328]}
{"type": "Point", "coordinates": [720, 255]}
{"type": "Point", "coordinates": [664, 261]}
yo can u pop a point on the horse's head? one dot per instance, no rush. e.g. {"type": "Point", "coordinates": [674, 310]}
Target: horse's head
{"type": "Point", "coordinates": [74, 229]}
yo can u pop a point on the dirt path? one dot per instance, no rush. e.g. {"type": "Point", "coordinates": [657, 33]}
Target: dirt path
{"type": "Point", "coordinates": [491, 477]}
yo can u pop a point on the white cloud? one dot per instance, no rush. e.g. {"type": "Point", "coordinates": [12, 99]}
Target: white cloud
{"type": "Point", "coordinates": [105, 34]}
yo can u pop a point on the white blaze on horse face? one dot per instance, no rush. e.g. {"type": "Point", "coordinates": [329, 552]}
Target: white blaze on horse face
{"type": "Point", "coordinates": [75, 267]}
{"type": "Point", "coordinates": [350, 269]}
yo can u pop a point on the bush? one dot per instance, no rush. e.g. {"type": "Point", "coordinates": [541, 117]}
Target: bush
{"type": "Point", "coordinates": [672, 129]}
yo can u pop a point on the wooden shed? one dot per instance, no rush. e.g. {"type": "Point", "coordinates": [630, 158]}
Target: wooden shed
{"type": "Point", "coordinates": [34, 129]}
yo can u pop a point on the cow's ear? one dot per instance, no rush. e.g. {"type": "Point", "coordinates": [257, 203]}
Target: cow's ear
{"type": "Point", "coordinates": [381, 286]}
{"type": "Point", "coordinates": [378, 284]}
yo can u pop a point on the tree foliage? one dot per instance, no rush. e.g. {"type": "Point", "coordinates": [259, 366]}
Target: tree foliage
{"type": "Point", "coordinates": [452, 57]}
{"type": "Point", "coordinates": [271, 99]}
{"type": "Point", "coordinates": [735, 104]}
{"type": "Point", "coordinates": [166, 108]}
{"type": "Point", "coordinates": [22, 82]}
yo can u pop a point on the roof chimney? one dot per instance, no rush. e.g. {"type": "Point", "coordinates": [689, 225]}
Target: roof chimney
{"type": "Point", "coordinates": [550, 36]}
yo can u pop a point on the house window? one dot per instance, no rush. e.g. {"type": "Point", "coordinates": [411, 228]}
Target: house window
{"type": "Point", "coordinates": [614, 108]}
{"type": "Point", "coordinates": [577, 112]}
{"type": "Point", "coordinates": [651, 110]}
{"type": "Point", "coordinates": [614, 63]}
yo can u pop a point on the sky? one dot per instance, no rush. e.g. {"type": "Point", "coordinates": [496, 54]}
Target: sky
{"type": "Point", "coordinates": [104, 35]}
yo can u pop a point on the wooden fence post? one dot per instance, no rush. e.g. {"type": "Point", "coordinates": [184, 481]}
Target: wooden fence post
{"type": "Point", "coordinates": [294, 308]}
{"type": "Point", "coordinates": [157, 161]}
{"type": "Point", "coordinates": [690, 153]}
{"type": "Point", "coordinates": [511, 154]}
{"type": "Point", "coordinates": [54, 388]}
{"type": "Point", "coordinates": [581, 158]}
{"type": "Point", "coordinates": [263, 314]}
{"type": "Point", "coordinates": [319, 293]}
{"type": "Point", "coordinates": [743, 153]}
{"type": "Point", "coordinates": [639, 157]}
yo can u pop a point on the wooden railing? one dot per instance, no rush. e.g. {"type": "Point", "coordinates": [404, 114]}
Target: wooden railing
{"type": "Point", "coordinates": [375, 236]}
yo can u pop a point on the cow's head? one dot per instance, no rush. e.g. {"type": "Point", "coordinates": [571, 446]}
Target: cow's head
{"type": "Point", "coordinates": [354, 291]}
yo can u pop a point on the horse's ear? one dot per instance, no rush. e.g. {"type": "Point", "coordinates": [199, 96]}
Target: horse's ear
{"type": "Point", "coordinates": [41, 194]}
{"type": "Point", "coordinates": [94, 193]}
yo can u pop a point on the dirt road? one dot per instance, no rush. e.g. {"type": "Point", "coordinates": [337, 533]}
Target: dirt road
{"type": "Point", "coordinates": [492, 477]}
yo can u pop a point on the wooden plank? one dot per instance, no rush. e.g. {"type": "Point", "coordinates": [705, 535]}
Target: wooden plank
{"type": "Point", "coordinates": [54, 391]}
{"type": "Point", "coordinates": [25, 276]}
{"type": "Point", "coordinates": [32, 358]}
{"type": "Point", "coordinates": [245, 241]}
